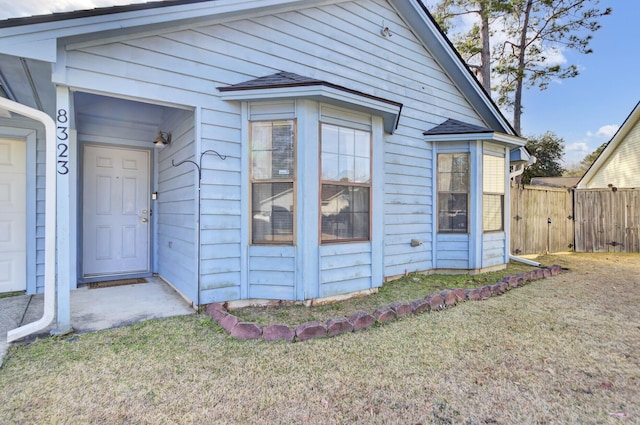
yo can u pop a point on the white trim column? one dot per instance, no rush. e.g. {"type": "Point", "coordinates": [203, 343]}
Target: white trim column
{"type": "Point", "coordinates": [65, 169]}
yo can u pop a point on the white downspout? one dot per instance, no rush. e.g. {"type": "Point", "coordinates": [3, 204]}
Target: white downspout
{"type": "Point", "coordinates": [525, 261]}
{"type": "Point", "coordinates": [50, 220]}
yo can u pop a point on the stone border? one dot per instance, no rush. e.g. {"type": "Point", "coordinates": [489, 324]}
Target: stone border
{"type": "Point", "coordinates": [362, 320]}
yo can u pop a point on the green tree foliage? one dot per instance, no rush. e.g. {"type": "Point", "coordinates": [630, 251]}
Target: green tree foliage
{"type": "Point", "coordinates": [524, 33]}
{"type": "Point", "coordinates": [591, 158]}
{"type": "Point", "coordinates": [548, 150]}
{"type": "Point", "coordinates": [579, 169]}
{"type": "Point", "coordinates": [474, 45]}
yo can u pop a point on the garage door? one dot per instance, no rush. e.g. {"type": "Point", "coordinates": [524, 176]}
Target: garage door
{"type": "Point", "coordinates": [13, 213]}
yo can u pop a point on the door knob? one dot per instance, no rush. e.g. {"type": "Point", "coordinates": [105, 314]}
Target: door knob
{"type": "Point", "coordinates": [144, 219]}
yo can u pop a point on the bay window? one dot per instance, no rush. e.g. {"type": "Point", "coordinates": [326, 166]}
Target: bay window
{"type": "Point", "coordinates": [272, 181]}
{"type": "Point", "coordinates": [493, 188]}
{"type": "Point", "coordinates": [453, 192]}
{"type": "Point", "coordinates": [345, 183]}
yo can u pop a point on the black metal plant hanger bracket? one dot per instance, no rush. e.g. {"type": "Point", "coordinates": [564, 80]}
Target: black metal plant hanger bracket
{"type": "Point", "coordinates": [198, 165]}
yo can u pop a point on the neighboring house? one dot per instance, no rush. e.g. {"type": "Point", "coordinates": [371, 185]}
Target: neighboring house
{"type": "Point", "coordinates": [618, 165]}
{"type": "Point", "coordinates": [354, 144]}
{"type": "Point", "coordinates": [607, 197]}
{"type": "Point", "coordinates": [566, 182]}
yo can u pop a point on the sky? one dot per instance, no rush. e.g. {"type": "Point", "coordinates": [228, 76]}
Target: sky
{"type": "Point", "coordinates": [584, 111]}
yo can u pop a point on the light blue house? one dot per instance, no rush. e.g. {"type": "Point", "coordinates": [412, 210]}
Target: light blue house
{"type": "Point", "coordinates": [303, 149]}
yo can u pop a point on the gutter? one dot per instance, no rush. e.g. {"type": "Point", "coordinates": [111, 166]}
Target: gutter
{"type": "Point", "coordinates": [50, 220]}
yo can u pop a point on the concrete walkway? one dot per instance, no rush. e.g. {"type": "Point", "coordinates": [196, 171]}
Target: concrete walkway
{"type": "Point", "coordinates": [96, 309]}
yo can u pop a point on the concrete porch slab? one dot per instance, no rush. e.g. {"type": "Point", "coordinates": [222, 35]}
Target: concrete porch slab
{"type": "Point", "coordinates": [97, 309]}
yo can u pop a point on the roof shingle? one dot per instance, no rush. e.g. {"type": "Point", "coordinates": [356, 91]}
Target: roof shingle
{"type": "Point", "coordinates": [452, 126]}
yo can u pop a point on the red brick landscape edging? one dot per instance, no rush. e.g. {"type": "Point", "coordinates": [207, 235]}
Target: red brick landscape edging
{"type": "Point", "coordinates": [362, 320]}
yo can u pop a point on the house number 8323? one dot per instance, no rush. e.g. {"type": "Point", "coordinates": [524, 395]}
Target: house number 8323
{"type": "Point", "coordinates": [62, 119]}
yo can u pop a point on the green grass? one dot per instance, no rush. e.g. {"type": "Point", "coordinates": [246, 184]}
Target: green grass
{"type": "Point", "coordinates": [11, 294]}
{"type": "Point", "coordinates": [562, 350]}
{"type": "Point", "coordinates": [408, 288]}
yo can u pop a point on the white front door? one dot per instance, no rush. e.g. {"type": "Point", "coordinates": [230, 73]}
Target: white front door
{"type": "Point", "coordinates": [13, 215]}
{"type": "Point", "coordinates": [115, 211]}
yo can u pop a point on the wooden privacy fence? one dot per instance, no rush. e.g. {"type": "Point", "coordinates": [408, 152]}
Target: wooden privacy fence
{"type": "Point", "coordinates": [607, 220]}
{"type": "Point", "coordinates": [541, 219]}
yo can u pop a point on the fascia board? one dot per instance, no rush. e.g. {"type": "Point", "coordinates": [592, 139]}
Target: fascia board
{"type": "Point", "coordinates": [42, 49]}
{"type": "Point", "coordinates": [389, 112]}
{"type": "Point", "coordinates": [519, 154]}
{"type": "Point", "coordinates": [507, 139]}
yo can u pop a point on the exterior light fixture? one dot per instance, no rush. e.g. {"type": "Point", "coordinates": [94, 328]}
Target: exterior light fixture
{"type": "Point", "coordinates": [162, 139]}
{"type": "Point", "coordinates": [385, 31]}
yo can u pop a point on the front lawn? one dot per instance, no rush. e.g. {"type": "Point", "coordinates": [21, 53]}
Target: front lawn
{"type": "Point", "coordinates": [405, 289]}
{"type": "Point", "coordinates": [559, 350]}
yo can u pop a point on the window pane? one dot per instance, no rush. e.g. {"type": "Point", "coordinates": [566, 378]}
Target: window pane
{"type": "Point", "coordinates": [453, 182]}
{"type": "Point", "coordinates": [492, 212]}
{"type": "Point", "coordinates": [261, 135]}
{"type": "Point", "coordinates": [453, 192]}
{"type": "Point", "coordinates": [347, 168]}
{"type": "Point", "coordinates": [363, 144]}
{"type": "Point", "coordinates": [330, 135]}
{"type": "Point", "coordinates": [493, 174]}
{"type": "Point", "coordinates": [261, 165]}
{"type": "Point", "coordinates": [330, 169]}
{"type": "Point", "coordinates": [363, 170]}
{"type": "Point", "coordinates": [283, 150]}
{"type": "Point", "coordinates": [272, 156]}
{"type": "Point", "coordinates": [347, 142]}
{"type": "Point", "coordinates": [352, 150]}
{"type": "Point", "coordinates": [272, 212]}
{"type": "Point", "coordinates": [346, 158]}
{"type": "Point", "coordinates": [345, 212]}
{"type": "Point", "coordinates": [452, 212]}
{"type": "Point", "coordinates": [460, 163]}
{"type": "Point", "coordinates": [445, 182]}
{"type": "Point", "coordinates": [493, 186]}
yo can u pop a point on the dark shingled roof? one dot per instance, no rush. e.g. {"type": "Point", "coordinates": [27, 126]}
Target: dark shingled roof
{"type": "Point", "coordinates": [98, 11]}
{"type": "Point", "coordinates": [452, 126]}
{"type": "Point", "coordinates": [290, 79]}
{"type": "Point", "coordinates": [281, 79]}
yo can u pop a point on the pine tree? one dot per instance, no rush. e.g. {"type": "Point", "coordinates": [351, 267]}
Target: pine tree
{"type": "Point", "coordinates": [523, 33]}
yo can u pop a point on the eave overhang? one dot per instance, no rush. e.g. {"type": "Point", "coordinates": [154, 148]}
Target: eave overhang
{"type": "Point", "coordinates": [320, 91]}
{"type": "Point", "coordinates": [493, 136]}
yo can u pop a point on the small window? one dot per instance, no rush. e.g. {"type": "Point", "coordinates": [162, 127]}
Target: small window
{"type": "Point", "coordinates": [453, 192]}
{"type": "Point", "coordinates": [345, 184]}
{"type": "Point", "coordinates": [272, 181]}
{"type": "Point", "coordinates": [493, 188]}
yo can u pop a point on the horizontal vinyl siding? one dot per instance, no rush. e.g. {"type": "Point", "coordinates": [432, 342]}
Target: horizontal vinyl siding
{"type": "Point", "coordinates": [272, 272]}
{"type": "Point", "coordinates": [452, 251]}
{"type": "Point", "coordinates": [408, 206]}
{"type": "Point", "coordinates": [221, 204]}
{"type": "Point", "coordinates": [622, 168]}
{"type": "Point", "coordinates": [176, 208]}
{"type": "Point", "coordinates": [345, 268]}
{"type": "Point", "coordinates": [337, 43]}
{"type": "Point", "coordinates": [494, 249]}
